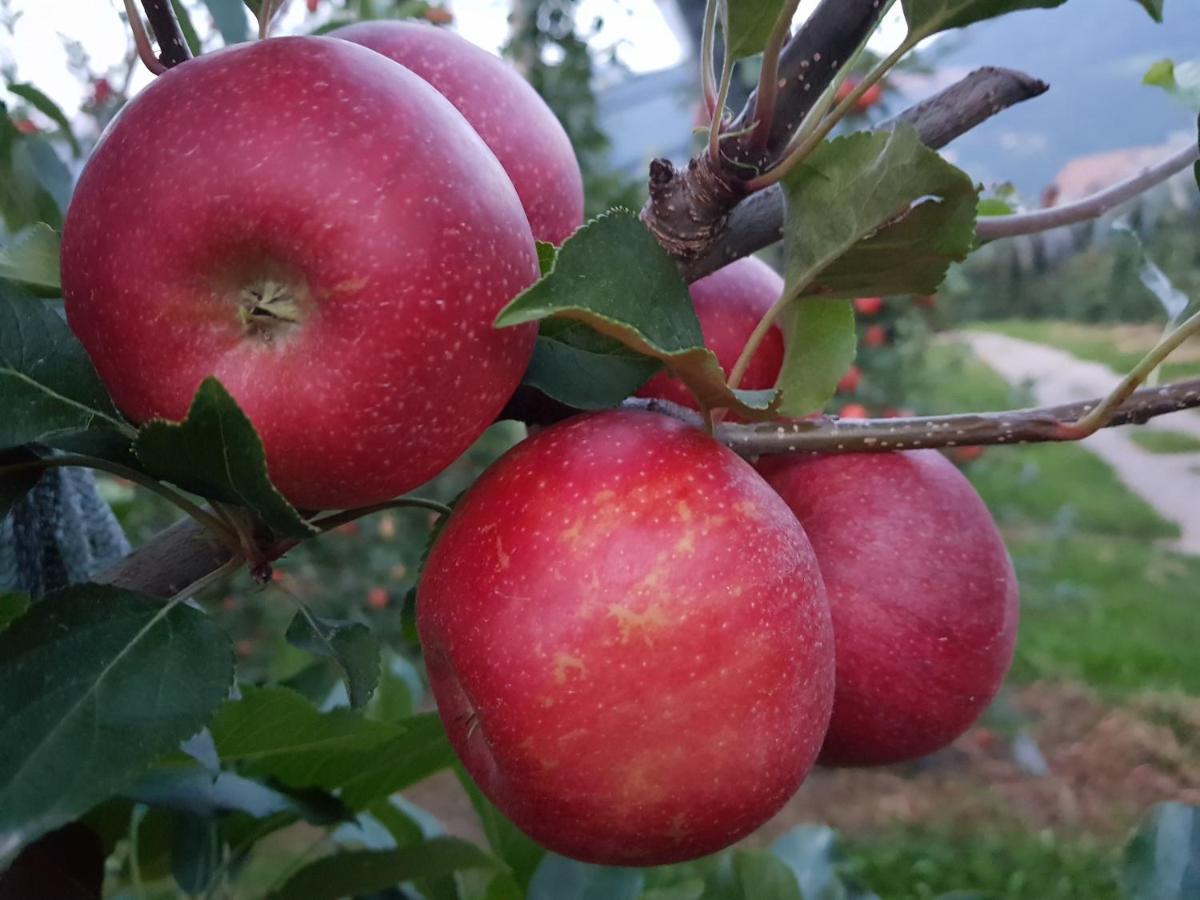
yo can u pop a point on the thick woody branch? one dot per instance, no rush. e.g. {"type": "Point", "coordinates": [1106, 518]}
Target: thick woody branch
{"type": "Point", "coordinates": [172, 48]}
{"type": "Point", "coordinates": [1088, 208]}
{"type": "Point", "coordinates": [176, 557]}
{"type": "Point", "coordinates": [1021, 426]}
{"type": "Point", "coordinates": [757, 221]}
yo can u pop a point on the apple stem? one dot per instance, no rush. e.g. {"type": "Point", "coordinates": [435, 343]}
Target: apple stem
{"type": "Point", "coordinates": [265, 14]}
{"type": "Point", "coordinates": [141, 40]}
{"type": "Point", "coordinates": [329, 522]}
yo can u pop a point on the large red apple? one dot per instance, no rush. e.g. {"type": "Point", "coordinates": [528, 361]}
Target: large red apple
{"type": "Point", "coordinates": [322, 231]}
{"type": "Point", "coordinates": [508, 114]}
{"type": "Point", "coordinates": [628, 640]}
{"type": "Point", "coordinates": [922, 594]}
{"type": "Point", "coordinates": [729, 304]}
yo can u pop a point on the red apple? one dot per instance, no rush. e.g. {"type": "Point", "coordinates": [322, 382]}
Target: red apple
{"type": "Point", "coordinates": [508, 114]}
{"type": "Point", "coordinates": [850, 381]}
{"type": "Point", "coordinates": [334, 249]}
{"type": "Point", "coordinates": [922, 593]}
{"type": "Point", "coordinates": [628, 640]}
{"type": "Point", "coordinates": [868, 306]}
{"type": "Point", "coordinates": [875, 336]}
{"type": "Point", "coordinates": [870, 97]}
{"type": "Point", "coordinates": [854, 411]}
{"type": "Point", "coordinates": [964, 455]}
{"type": "Point", "coordinates": [846, 88]}
{"type": "Point", "coordinates": [729, 304]}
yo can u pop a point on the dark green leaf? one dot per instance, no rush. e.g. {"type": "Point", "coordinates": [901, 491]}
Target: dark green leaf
{"type": "Point", "coordinates": [186, 27]}
{"type": "Point", "coordinates": [613, 276]}
{"type": "Point", "coordinates": [748, 24]}
{"type": "Point", "coordinates": [547, 254]}
{"type": "Point", "coordinates": [216, 453]}
{"type": "Point", "coordinates": [48, 108]}
{"type": "Point", "coordinates": [1153, 7]}
{"type": "Point", "coordinates": [578, 367]}
{"type": "Point", "coordinates": [559, 878]}
{"type": "Point", "coordinates": [230, 19]}
{"type": "Point", "coordinates": [31, 258]}
{"type": "Point", "coordinates": [199, 792]}
{"type": "Point", "coordinates": [1162, 860]}
{"type": "Point", "coordinates": [47, 384]}
{"type": "Point", "coordinates": [13, 605]}
{"type": "Point", "coordinates": [15, 485]}
{"type": "Point", "coordinates": [926, 17]}
{"type": "Point", "coordinates": [35, 157]}
{"type": "Point", "coordinates": [820, 347]}
{"type": "Point", "coordinates": [98, 683]}
{"type": "Point", "coordinates": [350, 644]}
{"type": "Point", "coordinates": [23, 199]}
{"type": "Point", "coordinates": [507, 841]}
{"type": "Point", "coordinates": [366, 871]}
{"type": "Point", "coordinates": [276, 733]}
{"type": "Point", "coordinates": [763, 876]}
{"type": "Point", "coordinates": [195, 852]}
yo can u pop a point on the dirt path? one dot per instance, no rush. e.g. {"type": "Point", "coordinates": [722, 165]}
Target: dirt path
{"type": "Point", "coordinates": [1170, 483]}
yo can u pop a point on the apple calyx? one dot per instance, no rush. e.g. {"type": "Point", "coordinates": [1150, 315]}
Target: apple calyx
{"type": "Point", "coordinates": [267, 308]}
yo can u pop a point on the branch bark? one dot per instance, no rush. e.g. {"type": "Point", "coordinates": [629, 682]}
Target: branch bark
{"type": "Point", "coordinates": [1093, 207]}
{"type": "Point", "coordinates": [757, 221]}
{"type": "Point", "coordinates": [172, 48]}
{"type": "Point", "coordinates": [170, 561]}
{"type": "Point", "coordinates": [827, 434]}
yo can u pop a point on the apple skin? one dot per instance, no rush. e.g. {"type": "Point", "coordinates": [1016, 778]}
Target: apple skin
{"type": "Point", "coordinates": [729, 304]}
{"type": "Point", "coordinates": [850, 381]}
{"type": "Point", "coordinates": [853, 411]}
{"type": "Point", "coordinates": [875, 336]}
{"type": "Point", "coordinates": [362, 190]}
{"type": "Point", "coordinates": [510, 116]}
{"type": "Point", "coordinates": [922, 594]}
{"type": "Point", "coordinates": [627, 637]}
{"type": "Point", "coordinates": [868, 306]}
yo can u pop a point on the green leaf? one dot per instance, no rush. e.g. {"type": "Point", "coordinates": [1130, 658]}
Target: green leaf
{"type": "Point", "coordinates": [199, 792]}
{"type": "Point", "coordinates": [748, 25]}
{"type": "Point", "coordinates": [613, 276]}
{"type": "Point", "coordinates": [994, 206]}
{"type": "Point", "coordinates": [559, 878]}
{"type": "Point", "coordinates": [215, 452]}
{"type": "Point", "coordinates": [48, 108]}
{"type": "Point", "coordinates": [367, 871]}
{"type": "Point", "coordinates": [31, 258]}
{"type": "Point", "coordinates": [350, 644]}
{"type": "Point", "coordinates": [276, 733]}
{"type": "Point", "coordinates": [688, 889]}
{"type": "Point", "coordinates": [578, 367]}
{"type": "Point", "coordinates": [195, 853]}
{"type": "Point", "coordinates": [1161, 74]}
{"type": "Point", "coordinates": [13, 605]}
{"type": "Point", "coordinates": [24, 200]}
{"type": "Point", "coordinates": [763, 876]}
{"type": "Point", "coordinates": [926, 17]}
{"type": "Point", "coordinates": [813, 855]}
{"type": "Point", "coordinates": [98, 683]}
{"type": "Point", "coordinates": [1162, 860]}
{"type": "Point", "coordinates": [820, 346]}
{"type": "Point", "coordinates": [48, 386]}
{"type": "Point", "coordinates": [190, 37]}
{"type": "Point", "coordinates": [876, 213]}
{"type": "Point", "coordinates": [507, 841]}
{"type": "Point", "coordinates": [15, 485]}
{"type": "Point", "coordinates": [1154, 8]}
{"type": "Point", "coordinates": [230, 19]}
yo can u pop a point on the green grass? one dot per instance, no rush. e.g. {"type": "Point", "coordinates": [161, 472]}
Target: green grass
{"type": "Point", "coordinates": [917, 864]}
{"type": "Point", "coordinates": [1165, 441]}
{"type": "Point", "coordinates": [1101, 600]}
{"type": "Point", "coordinates": [1092, 342]}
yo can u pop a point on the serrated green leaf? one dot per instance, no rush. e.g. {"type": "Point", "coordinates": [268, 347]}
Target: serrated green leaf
{"type": "Point", "coordinates": [518, 851]}
{"type": "Point", "coordinates": [926, 17]}
{"type": "Point", "coordinates": [1153, 7]}
{"type": "Point", "coordinates": [48, 387]}
{"type": "Point", "coordinates": [230, 18]}
{"type": "Point", "coordinates": [559, 878]}
{"type": "Point", "coordinates": [761, 874]}
{"type": "Point", "coordinates": [820, 346]}
{"type": "Point", "coordinates": [350, 644]}
{"type": "Point", "coordinates": [31, 258]}
{"type": "Point", "coordinates": [876, 213]}
{"type": "Point", "coordinates": [13, 605]}
{"type": "Point", "coordinates": [367, 871]}
{"type": "Point", "coordinates": [547, 254]}
{"type": "Point", "coordinates": [576, 366]}
{"type": "Point", "coordinates": [186, 28]}
{"type": "Point", "coordinates": [98, 683]}
{"type": "Point", "coordinates": [613, 276]}
{"type": "Point", "coordinates": [216, 453]}
{"type": "Point", "coordinates": [1162, 860]}
{"type": "Point", "coordinates": [1161, 74]}
{"type": "Point", "coordinates": [48, 108]}
{"type": "Point", "coordinates": [276, 733]}
{"type": "Point", "coordinates": [748, 24]}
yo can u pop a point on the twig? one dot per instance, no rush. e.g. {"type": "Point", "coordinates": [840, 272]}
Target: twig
{"type": "Point", "coordinates": [172, 48]}
{"type": "Point", "coordinates": [757, 221]}
{"type": "Point", "coordinates": [994, 227]}
{"type": "Point", "coordinates": [169, 562]}
{"type": "Point", "coordinates": [767, 92]}
{"type": "Point", "coordinates": [141, 40]}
